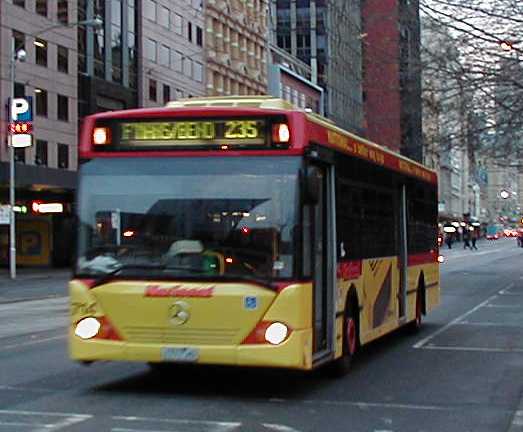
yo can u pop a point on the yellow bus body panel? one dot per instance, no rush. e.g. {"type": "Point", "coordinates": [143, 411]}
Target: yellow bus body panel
{"type": "Point", "coordinates": [217, 326]}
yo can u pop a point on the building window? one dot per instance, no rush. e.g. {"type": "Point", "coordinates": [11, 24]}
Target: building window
{"type": "Point", "coordinates": [63, 156]}
{"type": "Point", "coordinates": [198, 71]}
{"type": "Point", "coordinates": [41, 152]}
{"type": "Point", "coordinates": [20, 3]}
{"type": "Point", "coordinates": [177, 60]}
{"type": "Point", "coordinates": [199, 36]}
{"type": "Point", "coordinates": [19, 40]}
{"type": "Point", "coordinates": [163, 17]}
{"type": "Point", "coordinates": [20, 155]}
{"type": "Point", "coordinates": [189, 31]}
{"type": "Point", "coordinates": [152, 89]}
{"type": "Point", "coordinates": [179, 94]}
{"type": "Point", "coordinates": [41, 102]}
{"type": "Point", "coordinates": [187, 67]}
{"type": "Point", "coordinates": [150, 10]}
{"type": "Point", "coordinates": [165, 55]}
{"type": "Point", "coordinates": [19, 90]}
{"type": "Point", "coordinates": [178, 24]}
{"type": "Point", "coordinates": [63, 59]}
{"type": "Point", "coordinates": [166, 93]}
{"type": "Point", "coordinates": [61, 12]}
{"type": "Point", "coordinates": [63, 107]}
{"type": "Point", "coordinates": [41, 7]}
{"type": "Point", "coordinates": [150, 49]}
{"type": "Point", "coordinates": [41, 52]}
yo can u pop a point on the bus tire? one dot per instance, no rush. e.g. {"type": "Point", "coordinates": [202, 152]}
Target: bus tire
{"type": "Point", "coordinates": [342, 365]}
{"type": "Point", "coordinates": [415, 326]}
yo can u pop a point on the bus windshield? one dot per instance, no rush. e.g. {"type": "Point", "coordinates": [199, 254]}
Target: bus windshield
{"type": "Point", "coordinates": [188, 217]}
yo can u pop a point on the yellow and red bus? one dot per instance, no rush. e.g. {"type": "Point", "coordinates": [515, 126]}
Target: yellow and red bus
{"type": "Point", "coordinates": [243, 231]}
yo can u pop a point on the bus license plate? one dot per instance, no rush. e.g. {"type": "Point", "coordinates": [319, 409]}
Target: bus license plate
{"type": "Point", "coordinates": [180, 354]}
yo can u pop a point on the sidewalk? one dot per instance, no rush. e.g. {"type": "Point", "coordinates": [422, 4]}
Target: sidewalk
{"type": "Point", "coordinates": [33, 284]}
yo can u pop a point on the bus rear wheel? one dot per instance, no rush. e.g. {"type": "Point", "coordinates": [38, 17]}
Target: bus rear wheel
{"type": "Point", "coordinates": [342, 365]}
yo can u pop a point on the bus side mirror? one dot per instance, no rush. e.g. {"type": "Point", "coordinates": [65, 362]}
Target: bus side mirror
{"type": "Point", "coordinates": [313, 180]}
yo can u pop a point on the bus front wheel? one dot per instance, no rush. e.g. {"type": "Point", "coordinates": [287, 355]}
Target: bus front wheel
{"type": "Point", "coordinates": [342, 365]}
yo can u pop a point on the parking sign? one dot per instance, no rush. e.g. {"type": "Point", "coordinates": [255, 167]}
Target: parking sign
{"type": "Point", "coordinates": [22, 109]}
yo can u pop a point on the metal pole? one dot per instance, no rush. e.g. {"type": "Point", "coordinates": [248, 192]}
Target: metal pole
{"type": "Point", "coordinates": [12, 229]}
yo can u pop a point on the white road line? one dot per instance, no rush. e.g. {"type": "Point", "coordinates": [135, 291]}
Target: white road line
{"type": "Point", "coordinates": [66, 419]}
{"type": "Point", "coordinates": [278, 427]}
{"type": "Point", "coordinates": [504, 306]}
{"type": "Point", "coordinates": [47, 426]}
{"type": "Point", "coordinates": [453, 322]}
{"type": "Point", "coordinates": [6, 347]}
{"type": "Point", "coordinates": [215, 426]}
{"type": "Point", "coordinates": [473, 349]}
{"type": "Point", "coordinates": [488, 324]}
{"type": "Point", "coordinates": [367, 405]}
{"type": "Point", "coordinates": [518, 419]}
{"type": "Point", "coordinates": [26, 389]}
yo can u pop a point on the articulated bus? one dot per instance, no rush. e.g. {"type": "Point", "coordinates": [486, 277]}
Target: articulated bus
{"type": "Point", "coordinates": [243, 231]}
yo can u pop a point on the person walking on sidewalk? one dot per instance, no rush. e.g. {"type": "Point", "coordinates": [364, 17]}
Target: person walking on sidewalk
{"type": "Point", "coordinates": [466, 238]}
{"type": "Point", "coordinates": [474, 238]}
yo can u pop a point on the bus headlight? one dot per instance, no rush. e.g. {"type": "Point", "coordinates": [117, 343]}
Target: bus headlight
{"type": "Point", "coordinates": [87, 328]}
{"type": "Point", "coordinates": [276, 333]}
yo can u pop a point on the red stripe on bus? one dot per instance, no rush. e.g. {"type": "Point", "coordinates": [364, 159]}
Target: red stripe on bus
{"type": "Point", "coordinates": [349, 270]}
{"type": "Point", "coordinates": [423, 258]}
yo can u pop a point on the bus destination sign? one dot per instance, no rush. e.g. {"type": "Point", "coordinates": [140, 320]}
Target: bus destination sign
{"type": "Point", "coordinates": [194, 133]}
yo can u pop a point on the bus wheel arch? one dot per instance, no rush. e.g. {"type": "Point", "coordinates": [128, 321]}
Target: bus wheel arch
{"type": "Point", "coordinates": [352, 304]}
{"type": "Point", "coordinates": [420, 308]}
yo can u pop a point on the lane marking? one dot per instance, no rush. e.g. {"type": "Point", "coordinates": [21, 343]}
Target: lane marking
{"type": "Point", "coordinates": [425, 340]}
{"type": "Point", "coordinates": [21, 344]}
{"type": "Point", "coordinates": [278, 427]}
{"type": "Point", "coordinates": [216, 426]}
{"type": "Point", "coordinates": [504, 306]}
{"type": "Point", "coordinates": [488, 324]}
{"type": "Point", "coordinates": [473, 349]}
{"type": "Point", "coordinates": [460, 318]}
{"type": "Point", "coordinates": [517, 420]}
{"type": "Point", "coordinates": [67, 419]}
{"type": "Point", "coordinates": [26, 389]}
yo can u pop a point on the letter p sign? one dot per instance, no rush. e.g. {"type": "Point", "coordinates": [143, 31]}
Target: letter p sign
{"type": "Point", "coordinates": [21, 110]}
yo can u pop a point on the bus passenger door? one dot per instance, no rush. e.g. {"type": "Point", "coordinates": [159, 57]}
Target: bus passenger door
{"type": "Point", "coordinates": [403, 253]}
{"type": "Point", "coordinates": [319, 239]}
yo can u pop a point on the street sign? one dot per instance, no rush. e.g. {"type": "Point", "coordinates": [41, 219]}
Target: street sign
{"type": "Point", "coordinates": [4, 214]}
{"type": "Point", "coordinates": [22, 109]}
{"type": "Point", "coordinates": [20, 140]}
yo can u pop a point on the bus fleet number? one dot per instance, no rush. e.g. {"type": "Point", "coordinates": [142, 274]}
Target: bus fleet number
{"type": "Point", "coordinates": [235, 129]}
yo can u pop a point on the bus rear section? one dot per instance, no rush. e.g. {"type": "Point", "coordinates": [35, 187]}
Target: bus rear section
{"type": "Point", "coordinates": [190, 260]}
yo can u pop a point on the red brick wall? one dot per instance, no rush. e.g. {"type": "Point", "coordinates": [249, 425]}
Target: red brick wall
{"type": "Point", "coordinates": [382, 103]}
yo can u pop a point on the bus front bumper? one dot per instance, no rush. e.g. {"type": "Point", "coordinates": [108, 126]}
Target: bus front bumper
{"type": "Point", "coordinates": [294, 353]}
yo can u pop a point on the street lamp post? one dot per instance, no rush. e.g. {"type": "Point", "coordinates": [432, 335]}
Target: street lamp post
{"type": "Point", "coordinates": [19, 55]}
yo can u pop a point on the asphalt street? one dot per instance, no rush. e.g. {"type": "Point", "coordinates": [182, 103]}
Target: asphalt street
{"type": "Point", "coordinates": [462, 372]}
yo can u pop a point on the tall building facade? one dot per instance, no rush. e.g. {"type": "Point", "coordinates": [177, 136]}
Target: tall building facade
{"type": "Point", "coordinates": [392, 75]}
{"type": "Point", "coordinates": [172, 42]}
{"type": "Point", "coordinates": [45, 172]}
{"type": "Point", "coordinates": [108, 74]}
{"type": "Point", "coordinates": [327, 36]}
{"type": "Point", "coordinates": [236, 44]}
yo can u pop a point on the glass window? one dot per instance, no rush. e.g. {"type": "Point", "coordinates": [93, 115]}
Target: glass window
{"type": "Point", "coordinates": [20, 3]}
{"type": "Point", "coordinates": [165, 55]}
{"type": "Point", "coordinates": [41, 102]}
{"type": "Point", "coordinates": [199, 36]}
{"type": "Point", "coordinates": [189, 31]}
{"type": "Point", "coordinates": [198, 71]}
{"type": "Point", "coordinates": [62, 12]}
{"type": "Point", "coordinates": [116, 49]}
{"type": "Point", "coordinates": [150, 10]}
{"type": "Point", "coordinates": [163, 17]}
{"type": "Point", "coordinates": [20, 155]}
{"type": "Point", "coordinates": [116, 12]}
{"type": "Point", "coordinates": [166, 93]}
{"type": "Point", "coordinates": [131, 16]}
{"type": "Point", "coordinates": [177, 59]}
{"type": "Point", "coordinates": [19, 90]}
{"type": "Point", "coordinates": [41, 152]}
{"type": "Point", "coordinates": [19, 40]}
{"type": "Point", "coordinates": [41, 52]}
{"type": "Point", "coordinates": [63, 107]}
{"type": "Point", "coordinates": [187, 67]}
{"type": "Point", "coordinates": [178, 24]}
{"type": "Point", "coordinates": [41, 7]}
{"type": "Point", "coordinates": [63, 59]}
{"type": "Point", "coordinates": [63, 156]}
{"type": "Point", "coordinates": [150, 49]}
{"type": "Point", "coordinates": [152, 89]}
{"type": "Point", "coordinates": [246, 210]}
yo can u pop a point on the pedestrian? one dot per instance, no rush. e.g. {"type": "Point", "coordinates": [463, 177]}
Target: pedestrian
{"type": "Point", "coordinates": [448, 240]}
{"type": "Point", "coordinates": [466, 238]}
{"type": "Point", "coordinates": [474, 238]}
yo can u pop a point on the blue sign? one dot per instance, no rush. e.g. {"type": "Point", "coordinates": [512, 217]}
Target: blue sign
{"type": "Point", "coordinates": [251, 303]}
{"type": "Point", "coordinates": [21, 109]}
